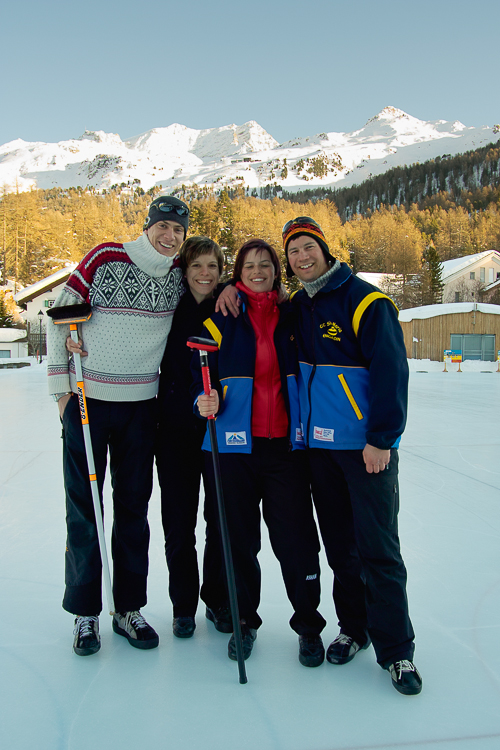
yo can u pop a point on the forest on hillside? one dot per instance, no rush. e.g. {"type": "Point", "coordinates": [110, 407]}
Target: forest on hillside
{"type": "Point", "coordinates": [470, 180]}
{"type": "Point", "coordinates": [42, 230]}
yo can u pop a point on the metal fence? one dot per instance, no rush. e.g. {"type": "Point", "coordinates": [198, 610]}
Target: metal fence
{"type": "Point", "coordinates": [37, 342]}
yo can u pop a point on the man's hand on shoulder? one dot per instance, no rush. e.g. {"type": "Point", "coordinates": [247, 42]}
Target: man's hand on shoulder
{"type": "Point", "coordinates": [375, 459]}
{"type": "Point", "coordinates": [228, 301]}
{"type": "Point", "coordinates": [283, 295]}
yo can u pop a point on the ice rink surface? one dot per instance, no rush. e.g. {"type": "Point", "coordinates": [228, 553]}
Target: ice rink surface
{"type": "Point", "coordinates": [186, 694]}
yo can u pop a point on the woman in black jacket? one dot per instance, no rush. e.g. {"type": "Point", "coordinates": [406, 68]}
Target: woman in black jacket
{"type": "Point", "coordinates": [179, 455]}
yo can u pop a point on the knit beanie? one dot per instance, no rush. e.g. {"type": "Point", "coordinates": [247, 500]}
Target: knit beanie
{"type": "Point", "coordinates": [304, 225]}
{"type": "Point", "coordinates": [168, 208]}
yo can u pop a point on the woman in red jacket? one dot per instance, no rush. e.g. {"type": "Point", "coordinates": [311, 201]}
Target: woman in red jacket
{"type": "Point", "coordinates": [259, 436]}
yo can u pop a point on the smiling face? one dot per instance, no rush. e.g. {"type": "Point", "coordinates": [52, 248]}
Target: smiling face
{"type": "Point", "coordinates": [306, 258]}
{"type": "Point", "coordinates": [166, 237]}
{"type": "Point", "coordinates": [258, 272]}
{"type": "Point", "coordinates": [202, 275]}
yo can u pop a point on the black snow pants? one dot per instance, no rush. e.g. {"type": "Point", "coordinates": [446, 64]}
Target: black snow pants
{"type": "Point", "coordinates": [358, 519]}
{"type": "Point", "coordinates": [179, 460]}
{"type": "Point", "coordinates": [279, 478]}
{"type": "Point", "coordinates": [127, 430]}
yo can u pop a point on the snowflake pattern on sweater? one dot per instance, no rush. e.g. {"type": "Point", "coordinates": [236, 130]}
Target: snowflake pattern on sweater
{"type": "Point", "coordinates": [133, 291]}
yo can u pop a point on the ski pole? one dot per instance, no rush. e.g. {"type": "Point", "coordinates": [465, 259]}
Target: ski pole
{"type": "Point", "coordinates": [73, 314]}
{"type": "Point", "coordinates": [204, 346]}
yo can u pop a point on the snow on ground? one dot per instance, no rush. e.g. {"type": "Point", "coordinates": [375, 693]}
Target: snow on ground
{"type": "Point", "coordinates": [186, 693]}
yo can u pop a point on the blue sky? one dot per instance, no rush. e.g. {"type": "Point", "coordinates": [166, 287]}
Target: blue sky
{"type": "Point", "coordinates": [297, 68]}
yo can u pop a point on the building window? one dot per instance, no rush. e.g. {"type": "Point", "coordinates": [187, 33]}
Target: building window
{"type": "Point", "coordinates": [457, 296]}
{"type": "Point", "coordinates": [474, 346]}
{"type": "Point", "coordinates": [472, 275]}
{"type": "Point", "coordinates": [490, 275]}
{"type": "Point", "coordinates": [482, 272]}
{"type": "Point", "coordinates": [49, 302]}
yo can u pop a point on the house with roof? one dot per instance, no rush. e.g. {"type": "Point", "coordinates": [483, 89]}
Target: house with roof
{"type": "Point", "coordinates": [38, 298]}
{"type": "Point", "coordinates": [41, 295]}
{"type": "Point", "coordinates": [471, 278]}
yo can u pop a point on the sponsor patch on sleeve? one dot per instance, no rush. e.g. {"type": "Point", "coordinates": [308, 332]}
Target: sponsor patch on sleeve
{"type": "Point", "coordinates": [236, 438]}
{"type": "Point", "coordinates": [299, 435]}
{"type": "Point", "coordinates": [323, 433]}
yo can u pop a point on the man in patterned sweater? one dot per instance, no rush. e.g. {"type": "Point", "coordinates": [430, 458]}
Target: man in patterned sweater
{"type": "Point", "coordinates": [134, 289]}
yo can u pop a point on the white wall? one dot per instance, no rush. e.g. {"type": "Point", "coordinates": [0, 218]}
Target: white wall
{"type": "Point", "coordinates": [469, 288]}
{"type": "Point", "coordinates": [39, 303]}
{"type": "Point", "coordinates": [15, 349]}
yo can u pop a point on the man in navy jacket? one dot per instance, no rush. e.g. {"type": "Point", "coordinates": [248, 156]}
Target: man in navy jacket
{"type": "Point", "coordinates": [353, 390]}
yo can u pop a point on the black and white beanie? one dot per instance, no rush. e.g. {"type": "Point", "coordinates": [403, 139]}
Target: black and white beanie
{"type": "Point", "coordinates": [168, 208]}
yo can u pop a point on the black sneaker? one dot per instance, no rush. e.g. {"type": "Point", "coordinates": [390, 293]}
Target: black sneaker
{"type": "Point", "coordinates": [135, 629]}
{"type": "Point", "coordinates": [221, 618]}
{"type": "Point", "coordinates": [248, 636]}
{"type": "Point", "coordinates": [183, 627]}
{"type": "Point", "coordinates": [405, 677]}
{"type": "Point", "coordinates": [343, 649]}
{"type": "Point", "coordinates": [311, 650]}
{"type": "Point", "coordinates": [87, 639]}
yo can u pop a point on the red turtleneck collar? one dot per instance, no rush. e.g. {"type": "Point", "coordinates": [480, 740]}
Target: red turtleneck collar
{"type": "Point", "coordinates": [258, 299]}
{"type": "Point", "coordinates": [269, 417]}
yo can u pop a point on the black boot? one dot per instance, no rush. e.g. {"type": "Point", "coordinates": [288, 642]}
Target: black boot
{"type": "Point", "coordinates": [183, 627]}
{"type": "Point", "coordinates": [221, 618]}
{"type": "Point", "coordinates": [311, 650]}
{"type": "Point", "coordinates": [248, 636]}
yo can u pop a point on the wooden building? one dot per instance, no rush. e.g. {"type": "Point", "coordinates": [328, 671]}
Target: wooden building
{"type": "Point", "coordinates": [470, 327]}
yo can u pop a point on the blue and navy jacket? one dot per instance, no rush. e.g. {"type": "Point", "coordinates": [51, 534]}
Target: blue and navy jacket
{"type": "Point", "coordinates": [353, 382]}
{"type": "Point", "coordinates": [232, 372]}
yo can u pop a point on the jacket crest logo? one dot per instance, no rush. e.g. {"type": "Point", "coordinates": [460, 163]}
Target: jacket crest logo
{"type": "Point", "coordinates": [333, 331]}
{"type": "Point", "coordinates": [236, 438]}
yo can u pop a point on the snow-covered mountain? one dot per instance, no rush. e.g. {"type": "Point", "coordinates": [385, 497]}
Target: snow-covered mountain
{"type": "Point", "coordinates": [236, 155]}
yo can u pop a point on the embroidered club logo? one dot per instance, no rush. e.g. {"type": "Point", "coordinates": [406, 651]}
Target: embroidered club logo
{"type": "Point", "coordinates": [323, 433]}
{"type": "Point", "coordinates": [236, 438]}
{"type": "Point", "coordinates": [333, 330]}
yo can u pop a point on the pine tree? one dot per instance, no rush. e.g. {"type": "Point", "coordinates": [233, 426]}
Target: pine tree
{"type": "Point", "coordinates": [431, 277]}
{"type": "Point", "coordinates": [6, 316]}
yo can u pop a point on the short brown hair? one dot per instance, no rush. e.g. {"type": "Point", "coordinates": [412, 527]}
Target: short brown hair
{"type": "Point", "coordinates": [259, 245]}
{"type": "Point", "coordinates": [195, 246]}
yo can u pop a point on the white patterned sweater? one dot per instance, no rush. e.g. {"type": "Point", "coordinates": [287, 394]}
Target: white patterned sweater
{"type": "Point", "coordinates": [133, 291]}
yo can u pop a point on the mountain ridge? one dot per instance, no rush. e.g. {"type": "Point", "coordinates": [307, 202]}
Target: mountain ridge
{"type": "Point", "coordinates": [235, 155]}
